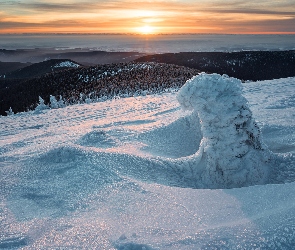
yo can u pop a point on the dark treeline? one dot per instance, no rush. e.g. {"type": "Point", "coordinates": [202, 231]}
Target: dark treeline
{"type": "Point", "coordinates": [245, 65]}
{"type": "Point", "coordinates": [123, 79]}
{"type": "Point", "coordinates": [6, 67]}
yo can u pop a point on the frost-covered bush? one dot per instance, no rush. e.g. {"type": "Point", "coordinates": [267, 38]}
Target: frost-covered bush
{"type": "Point", "coordinates": [231, 152]}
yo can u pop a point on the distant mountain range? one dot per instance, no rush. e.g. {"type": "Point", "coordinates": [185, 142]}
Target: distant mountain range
{"type": "Point", "coordinates": [245, 65]}
{"type": "Point", "coordinates": [22, 83]}
{"type": "Point", "coordinates": [83, 56]}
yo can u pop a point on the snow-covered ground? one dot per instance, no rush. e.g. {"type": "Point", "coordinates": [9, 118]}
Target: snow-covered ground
{"type": "Point", "coordinates": [99, 176]}
{"type": "Point", "coordinates": [67, 64]}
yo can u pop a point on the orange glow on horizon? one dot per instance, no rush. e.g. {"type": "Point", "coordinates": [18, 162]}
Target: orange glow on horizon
{"type": "Point", "coordinates": [145, 30]}
{"type": "Point", "coordinates": [91, 31]}
{"type": "Point", "coordinates": [144, 17]}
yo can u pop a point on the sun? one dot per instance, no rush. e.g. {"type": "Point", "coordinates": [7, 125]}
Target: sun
{"type": "Point", "coordinates": [147, 29]}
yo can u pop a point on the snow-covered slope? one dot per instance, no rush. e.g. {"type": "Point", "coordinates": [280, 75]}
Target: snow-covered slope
{"type": "Point", "coordinates": [99, 176]}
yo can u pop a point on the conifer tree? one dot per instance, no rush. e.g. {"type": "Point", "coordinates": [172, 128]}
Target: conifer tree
{"type": "Point", "coordinates": [9, 112]}
{"type": "Point", "coordinates": [41, 105]}
{"type": "Point", "coordinates": [53, 102]}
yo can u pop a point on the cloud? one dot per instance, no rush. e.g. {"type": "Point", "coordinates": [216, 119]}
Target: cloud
{"type": "Point", "coordinates": [3, 3]}
{"type": "Point", "coordinates": [90, 6]}
{"type": "Point", "coordinates": [168, 16]}
{"type": "Point", "coordinates": [270, 26]}
{"type": "Point", "coordinates": [250, 11]}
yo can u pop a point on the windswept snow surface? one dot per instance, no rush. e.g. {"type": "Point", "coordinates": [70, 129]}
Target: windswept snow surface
{"type": "Point", "coordinates": [99, 176]}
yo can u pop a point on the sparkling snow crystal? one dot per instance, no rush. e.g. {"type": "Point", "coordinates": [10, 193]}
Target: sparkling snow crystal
{"type": "Point", "coordinates": [231, 152]}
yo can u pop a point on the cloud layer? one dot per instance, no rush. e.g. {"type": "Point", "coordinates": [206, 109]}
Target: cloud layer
{"type": "Point", "coordinates": [121, 16]}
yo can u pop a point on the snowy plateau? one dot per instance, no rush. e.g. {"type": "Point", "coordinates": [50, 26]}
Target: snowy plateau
{"type": "Point", "coordinates": [178, 170]}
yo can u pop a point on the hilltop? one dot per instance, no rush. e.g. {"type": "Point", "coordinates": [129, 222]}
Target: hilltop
{"type": "Point", "coordinates": [39, 69]}
{"type": "Point", "coordinates": [76, 83]}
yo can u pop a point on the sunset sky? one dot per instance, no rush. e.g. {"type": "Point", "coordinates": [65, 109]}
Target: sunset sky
{"type": "Point", "coordinates": [135, 16]}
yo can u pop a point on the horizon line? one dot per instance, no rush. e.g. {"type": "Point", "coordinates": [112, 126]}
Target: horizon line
{"type": "Point", "coordinates": [140, 34]}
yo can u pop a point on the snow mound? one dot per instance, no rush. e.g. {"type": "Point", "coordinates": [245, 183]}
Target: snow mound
{"type": "Point", "coordinates": [66, 64]}
{"type": "Point", "coordinates": [231, 153]}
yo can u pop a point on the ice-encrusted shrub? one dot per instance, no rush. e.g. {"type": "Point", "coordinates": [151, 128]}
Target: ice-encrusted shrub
{"type": "Point", "coordinates": [231, 152]}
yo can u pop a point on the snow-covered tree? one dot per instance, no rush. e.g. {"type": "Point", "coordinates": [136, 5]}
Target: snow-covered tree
{"type": "Point", "coordinates": [9, 112]}
{"type": "Point", "coordinates": [41, 105]}
{"type": "Point", "coordinates": [231, 152]}
{"type": "Point", "coordinates": [82, 98]}
{"type": "Point", "coordinates": [88, 99]}
{"type": "Point", "coordinates": [61, 102]}
{"type": "Point", "coordinates": [53, 102]}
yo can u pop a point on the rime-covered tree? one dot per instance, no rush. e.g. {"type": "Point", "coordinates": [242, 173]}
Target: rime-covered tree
{"type": "Point", "coordinates": [41, 105]}
{"type": "Point", "coordinates": [231, 152]}
{"type": "Point", "coordinates": [61, 102]}
{"type": "Point", "coordinates": [53, 102]}
{"type": "Point", "coordinates": [9, 112]}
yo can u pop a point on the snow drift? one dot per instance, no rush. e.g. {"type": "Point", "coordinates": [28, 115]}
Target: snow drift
{"type": "Point", "coordinates": [231, 152]}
